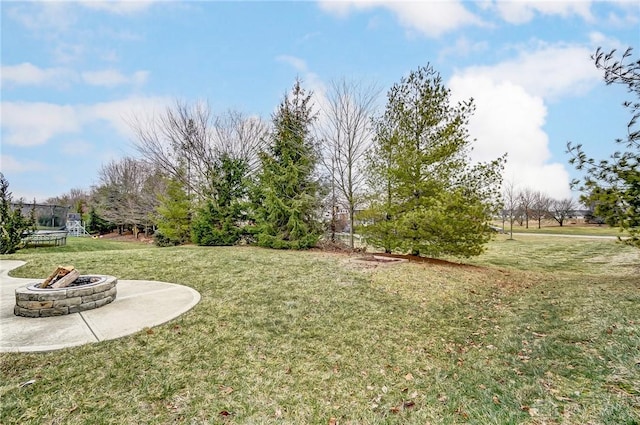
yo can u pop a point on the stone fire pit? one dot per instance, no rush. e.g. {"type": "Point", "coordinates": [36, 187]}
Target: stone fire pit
{"type": "Point", "coordinates": [85, 293]}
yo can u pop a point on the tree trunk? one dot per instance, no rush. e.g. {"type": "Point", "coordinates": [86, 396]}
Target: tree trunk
{"type": "Point", "coordinates": [351, 224]}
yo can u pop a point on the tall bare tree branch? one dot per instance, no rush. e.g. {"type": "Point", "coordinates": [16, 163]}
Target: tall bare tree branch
{"type": "Point", "coordinates": [345, 134]}
{"type": "Point", "coordinates": [185, 141]}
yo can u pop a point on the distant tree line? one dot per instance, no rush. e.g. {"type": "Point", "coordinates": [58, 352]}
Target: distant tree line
{"type": "Point", "coordinates": [404, 173]}
{"type": "Point", "coordinates": [230, 178]}
{"type": "Point", "coordinates": [522, 205]}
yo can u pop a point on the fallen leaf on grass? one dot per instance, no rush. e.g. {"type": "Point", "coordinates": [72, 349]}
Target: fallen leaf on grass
{"type": "Point", "coordinates": [409, 404]}
{"type": "Point", "coordinates": [496, 400]}
{"type": "Point", "coordinates": [333, 421]}
{"type": "Point", "coordinates": [225, 390]}
{"type": "Point", "coordinates": [462, 413]}
{"type": "Point", "coordinates": [408, 377]}
{"type": "Point", "coordinates": [224, 413]}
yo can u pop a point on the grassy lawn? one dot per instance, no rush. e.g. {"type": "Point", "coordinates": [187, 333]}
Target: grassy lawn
{"type": "Point", "coordinates": [538, 330]}
{"type": "Point", "coordinates": [567, 229]}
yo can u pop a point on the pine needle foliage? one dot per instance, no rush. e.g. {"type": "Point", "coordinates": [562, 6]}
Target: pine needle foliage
{"type": "Point", "coordinates": [286, 197]}
{"type": "Point", "coordinates": [173, 215]}
{"type": "Point", "coordinates": [13, 225]}
{"type": "Point", "coordinates": [221, 219]}
{"type": "Point", "coordinates": [428, 199]}
{"type": "Point", "coordinates": [612, 185]}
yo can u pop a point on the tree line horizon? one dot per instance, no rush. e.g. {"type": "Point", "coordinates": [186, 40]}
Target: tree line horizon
{"type": "Point", "coordinates": [229, 178]}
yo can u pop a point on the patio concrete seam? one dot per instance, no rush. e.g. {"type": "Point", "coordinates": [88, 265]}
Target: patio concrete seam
{"type": "Point", "coordinates": [89, 327]}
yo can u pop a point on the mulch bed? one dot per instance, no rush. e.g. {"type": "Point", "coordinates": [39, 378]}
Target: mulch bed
{"type": "Point", "coordinates": [427, 260]}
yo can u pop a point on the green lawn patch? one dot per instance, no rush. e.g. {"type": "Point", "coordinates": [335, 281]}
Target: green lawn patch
{"type": "Point", "coordinates": [567, 229]}
{"type": "Point", "coordinates": [537, 330]}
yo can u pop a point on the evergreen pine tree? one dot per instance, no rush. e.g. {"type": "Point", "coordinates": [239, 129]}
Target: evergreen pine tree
{"type": "Point", "coordinates": [95, 223]}
{"type": "Point", "coordinates": [173, 215]}
{"type": "Point", "coordinates": [428, 199]}
{"type": "Point", "coordinates": [220, 220]}
{"type": "Point", "coordinates": [286, 196]}
{"type": "Point", "coordinates": [13, 225]}
{"type": "Point", "coordinates": [612, 185]}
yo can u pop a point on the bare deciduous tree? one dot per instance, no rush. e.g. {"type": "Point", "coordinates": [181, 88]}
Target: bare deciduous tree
{"type": "Point", "coordinates": [240, 137]}
{"type": "Point", "coordinates": [527, 197]}
{"type": "Point", "coordinates": [511, 204]}
{"type": "Point", "coordinates": [540, 207]}
{"type": "Point", "coordinates": [345, 134]}
{"type": "Point", "coordinates": [186, 140]}
{"type": "Point", "coordinates": [76, 199]}
{"type": "Point", "coordinates": [561, 210]}
{"type": "Point", "coordinates": [125, 193]}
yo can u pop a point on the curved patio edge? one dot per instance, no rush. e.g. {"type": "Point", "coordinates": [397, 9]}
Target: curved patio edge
{"type": "Point", "coordinates": [140, 304]}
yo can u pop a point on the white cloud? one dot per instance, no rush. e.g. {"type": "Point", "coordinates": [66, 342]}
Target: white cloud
{"type": "Point", "coordinates": [298, 64]}
{"type": "Point", "coordinates": [43, 16]}
{"type": "Point", "coordinates": [628, 13]}
{"type": "Point", "coordinates": [551, 179]}
{"type": "Point", "coordinates": [431, 18]}
{"type": "Point", "coordinates": [120, 113]}
{"type": "Point", "coordinates": [523, 11]}
{"type": "Point", "coordinates": [509, 119]}
{"type": "Point", "coordinates": [310, 80]}
{"type": "Point", "coordinates": [33, 124]}
{"type": "Point", "coordinates": [598, 39]}
{"type": "Point", "coordinates": [118, 7]}
{"type": "Point", "coordinates": [463, 47]}
{"type": "Point", "coordinates": [510, 99]}
{"type": "Point", "coordinates": [9, 164]}
{"type": "Point", "coordinates": [76, 147]}
{"type": "Point", "coordinates": [112, 78]}
{"type": "Point", "coordinates": [436, 17]}
{"type": "Point", "coordinates": [28, 74]}
{"type": "Point", "coordinates": [69, 52]}
{"type": "Point", "coordinates": [549, 72]}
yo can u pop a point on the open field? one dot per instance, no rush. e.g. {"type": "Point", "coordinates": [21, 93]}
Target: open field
{"type": "Point", "coordinates": [569, 228]}
{"type": "Point", "coordinates": [539, 330]}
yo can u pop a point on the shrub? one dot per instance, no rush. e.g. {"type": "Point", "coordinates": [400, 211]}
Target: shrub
{"type": "Point", "coordinates": [161, 240]}
{"type": "Point", "coordinates": [13, 225]}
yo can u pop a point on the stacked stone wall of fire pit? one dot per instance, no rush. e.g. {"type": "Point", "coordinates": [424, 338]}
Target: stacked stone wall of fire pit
{"type": "Point", "coordinates": [32, 301]}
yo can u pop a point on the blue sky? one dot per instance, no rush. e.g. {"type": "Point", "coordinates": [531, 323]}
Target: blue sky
{"type": "Point", "coordinates": [74, 73]}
